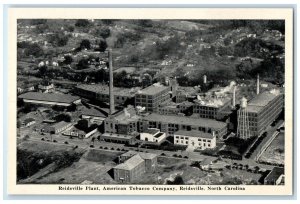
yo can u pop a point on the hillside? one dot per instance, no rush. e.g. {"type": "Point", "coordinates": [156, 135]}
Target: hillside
{"type": "Point", "coordinates": [187, 49]}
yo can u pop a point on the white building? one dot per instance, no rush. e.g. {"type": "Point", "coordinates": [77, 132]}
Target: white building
{"type": "Point", "coordinates": [152, 135]}
{"type": "Point", "coordinates": [195, 139]}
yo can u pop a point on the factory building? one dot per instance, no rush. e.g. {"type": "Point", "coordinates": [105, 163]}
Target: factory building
{"type": "Point", "coordinates": [195, 139]}
{"type": "Point", "coordinates": [100, 93]}
{"type": "Point", "coordinates": [49, 99]}
{"type": "Point", "coordinates": [260, 112]}
{"type": "Point", "coordinates": [134, 165]}
{"type": "Point", "coordinates": [152, 96]}
{"type": "Point", "coordinates": [171, 108]}
{"type": "Point", "coordinates": [170, 124]}
{"type": "Point", "coordinates": [57, 127]}
{"type": "Point", "coordinates": [153, 135]}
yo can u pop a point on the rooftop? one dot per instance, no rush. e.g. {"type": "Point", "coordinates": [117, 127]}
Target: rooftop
{"type": "Point", "coordinates": [195, 133]}
{"type": "Point", "coordinates": [104, 89]}
{"type": "Point", "coordinates": [130, 163]}
{"type": "Point", "coordinates": [153, 89]}
{"type": "Point", "coordinates": [121, 136]}
{"type": "Point", "coordinates": [188, 90]}
{"type": "Point", "coordinates": [93, 112]}
{"type": "Point", "coordinates": [202, 122]}
{"type": "Point", "coordinates": [152, 131]}
{"type": "Point", "coordinates": [262, 100]}
{"type": "Point", "coordinates": [28, 120]}
{"type": "Point", "coordinates": [52, 97]}
{"type": "Point", "coordinates": [60, 125]}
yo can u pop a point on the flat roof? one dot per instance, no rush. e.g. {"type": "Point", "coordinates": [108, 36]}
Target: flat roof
{"type": "Point", "coordinates": [60, 124]}
{"type": "Point", "coordinates": [260, 101]}
{"type": "Point", "coordinates": [50, 97]}
{"type": "Point", "coordinates": [188, 90]}
{"type": "Point", "coordinates": [121, 136]}
{"type": "Point", "coordinates": [151, 131]}
{"type": "Point", "coordinates": [202, 122]}
{"type": "Point", "coordinates": [104, 89]}
{"type": "Point", "coordinates": [93, 112]}
{"type": "Point", "coordinates": [194, 133]}
{"type": "Point", "coordinates": [153, 89]}
{"type": "Point", "coordinates": [131, 163]}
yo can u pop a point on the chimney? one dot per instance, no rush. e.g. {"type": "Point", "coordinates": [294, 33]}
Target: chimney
{"type": "Point", "coordinates": [111, 84]}
{"type": "Point", "coordinates": [233, 96]}
{"type": "Point", "coordinates": [204, 79]}
{"type": "Point", "coordinates": [257, 85]}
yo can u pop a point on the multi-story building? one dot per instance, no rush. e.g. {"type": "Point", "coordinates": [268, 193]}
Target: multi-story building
{"type": "Point", "coordinates": [195, 139]}
{"type": "Point", "coordinates": [152, 96]}
{"type": "Point", "coordinates": [261, 111]}
{"type": "Point", "coordinates": [153, 135]}
{"type": "Point", "coordinates": [101, 93]}
{"type": "Point", "coordinates": [170, 124]}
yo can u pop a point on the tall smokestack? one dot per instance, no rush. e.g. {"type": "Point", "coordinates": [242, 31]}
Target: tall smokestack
{"type": "Point", "coordinates": [257, 85]}
{"type": "Point", "coordinates": [111, 84]}
{"type": "Point", "coordinates": [204, 79]}
{"type": "Point", "coordinates": [233, 97]}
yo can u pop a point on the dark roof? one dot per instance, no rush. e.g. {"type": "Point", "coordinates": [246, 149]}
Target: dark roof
{"type": "Point", "coordinates": [151, 131]}
{"type": "Point", "coordinates": [275, 174]}
{"type": "Point", "coordinates": [194, 133]}
{"type": "Point", "coordinates": [51, 97]}
{"type": "Point", "coordinates": [60, 125]}
{"type": "Point", "coordinates": [202, 122]}
{"type": "Point", "coordinates": [93, 112]}
{"type": "Point", "coordinates": [28, 120]}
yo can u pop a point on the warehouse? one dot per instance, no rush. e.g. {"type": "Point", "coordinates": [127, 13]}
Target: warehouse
{"type": "Point", "coordinates": [152, 96]}
{"type": "Point", "coordinates": [170, 124]}
{"type": "Point", "coordinates": [49, 99]}
{"type": "Point", "coordinates": [57, 127]}
{"type": "Point", "coordinates": [262, 111]}
{"type": "Point", "coordinates": [101, 93]}
{"type": "Point", "coordinates": [195, 139]}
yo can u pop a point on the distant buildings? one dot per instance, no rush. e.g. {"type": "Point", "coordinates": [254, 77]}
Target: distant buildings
{"type": "Point", "coordinates": [195, 139]}
{"type": "Point", "coordinates": [49, 99]}
{"type": "Point", "coordinates": [134, 165]}
{"type": "Point", "coordinates": [152, 96]}
{"type": "Point", "coordinates": [28, 122]}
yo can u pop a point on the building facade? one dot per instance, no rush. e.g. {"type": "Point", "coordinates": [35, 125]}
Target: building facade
{"type": "Point", "coordinates": [152, 96]}
{"type": "Point", "coordinates": [153, 135]}
{"type": "Point", "coordinates": [195, 139]}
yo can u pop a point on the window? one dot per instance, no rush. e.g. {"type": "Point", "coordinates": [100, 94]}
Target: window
{"type": "Point", "coordinates": [186, 142]}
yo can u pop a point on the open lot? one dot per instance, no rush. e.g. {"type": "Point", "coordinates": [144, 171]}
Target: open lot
{"type": "Point", "coordinates": [275, 152]}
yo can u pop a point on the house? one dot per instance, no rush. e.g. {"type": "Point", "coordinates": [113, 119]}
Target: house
{"type": "Point", "coordinates": [46, 87]}
{"type": "Point", "coordinates": [195, 139]}
{"type": "Point", "coordinates": [153, 135]}
{"type": "Point", "coordinates": [57, 127]}
{"type": "Point", "coordinates": [205, 164]}
{"type": "Point", "coordinates": [28, 122]}
{"type": "Point", "coordinates": [275, 177]}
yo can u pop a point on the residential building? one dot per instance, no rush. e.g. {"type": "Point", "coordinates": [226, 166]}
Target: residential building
{"type": "Point", "coordinates": [195, 139]}
{"type": "Point", "coordinates": [152, 96]}
{"type": "Point", "coordinates": [28, 122]}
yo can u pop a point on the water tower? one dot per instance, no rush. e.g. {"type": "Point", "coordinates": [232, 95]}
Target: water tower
{"type": "Point", "coordinates": [243, 130]}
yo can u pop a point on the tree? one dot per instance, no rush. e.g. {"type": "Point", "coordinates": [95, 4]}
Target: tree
{"type": "Point", "coordinates": [103, 32]}
{"type": "Point", "coordinates": [102, 46]}
{"type": "Point", "coordinates": [82, 23]}
{"type": "Point", "coordinates": [34, 50]}
{"type": "Point", "coordinates": [85, 44]}
{"type": "Point", "coordinates": [82, 64]}
{"type": "Point", "coordinates": [68, 59]}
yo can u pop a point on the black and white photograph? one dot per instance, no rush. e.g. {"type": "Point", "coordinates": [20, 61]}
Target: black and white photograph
{"type": "Point", "coordinates": [128, 103]}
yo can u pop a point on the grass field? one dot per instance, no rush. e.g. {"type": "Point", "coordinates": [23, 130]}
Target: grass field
{"type": "Point", "coordinates": [275, 152]}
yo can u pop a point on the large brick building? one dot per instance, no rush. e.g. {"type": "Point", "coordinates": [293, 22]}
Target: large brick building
{"type": "Point", "coordinates": [152, 96]}
{"type": "Point", "coordinates": [262, 111]}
